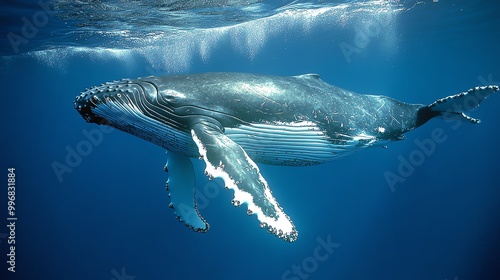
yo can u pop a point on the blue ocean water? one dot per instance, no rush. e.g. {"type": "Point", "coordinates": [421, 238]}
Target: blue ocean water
{"type": "Point", "coordinates": [107, 215]}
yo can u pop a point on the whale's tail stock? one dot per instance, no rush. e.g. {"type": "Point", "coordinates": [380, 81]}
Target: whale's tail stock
{"type": "Point", "coordinates": [455, 106]}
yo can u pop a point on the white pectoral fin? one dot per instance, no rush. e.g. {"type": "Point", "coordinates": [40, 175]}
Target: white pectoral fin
{"type": "Point", "coordinates": [182, 191]}
{"type": "Point", "coordinates": [226, 159]}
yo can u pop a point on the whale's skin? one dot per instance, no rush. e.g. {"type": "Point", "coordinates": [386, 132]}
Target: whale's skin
{"type": "Point", "coordinates": [232, 120]}
{"type": "Point", "coordinates": [234, 100]}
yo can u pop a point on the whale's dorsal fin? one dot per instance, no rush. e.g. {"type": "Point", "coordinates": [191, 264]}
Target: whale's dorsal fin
{"type": "Point", "coordinates": [308, 76]}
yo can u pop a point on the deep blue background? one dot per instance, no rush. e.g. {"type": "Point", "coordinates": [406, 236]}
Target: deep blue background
{"type": "Point", "coordinates": [112, 211]}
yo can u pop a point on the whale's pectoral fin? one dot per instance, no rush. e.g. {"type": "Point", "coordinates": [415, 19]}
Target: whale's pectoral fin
{"type": "Point", "coordinates": [455, 106]}
{"type": "Point", "coordinates": [226, 159]}
{"type": "Point", "coordinates": [181, 186]}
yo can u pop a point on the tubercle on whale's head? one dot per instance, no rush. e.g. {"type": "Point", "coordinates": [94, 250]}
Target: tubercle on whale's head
{"type": "Point", "coordinates": [103, 94]}
{"type": "Point", "coordinates": [83, 104]}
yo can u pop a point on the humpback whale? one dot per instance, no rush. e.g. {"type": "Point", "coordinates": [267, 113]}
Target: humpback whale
{"type": "Point", "coordinates": [232, 121]}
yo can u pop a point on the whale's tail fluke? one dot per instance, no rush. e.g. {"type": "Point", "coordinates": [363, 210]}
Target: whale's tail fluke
{"type": "Point", "coordinates": [455, 106]}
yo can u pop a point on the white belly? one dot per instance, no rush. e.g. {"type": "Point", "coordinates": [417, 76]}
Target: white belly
{"type": "Point", "coordinates": [296, 144]}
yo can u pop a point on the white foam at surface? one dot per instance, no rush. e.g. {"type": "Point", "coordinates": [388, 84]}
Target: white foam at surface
{"type": "Point", "coordinates": [173, 52]}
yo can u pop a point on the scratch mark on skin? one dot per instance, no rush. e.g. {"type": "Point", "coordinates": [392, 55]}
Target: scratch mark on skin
{"type": "Point", "coordinates": [383, 104]}
{"type": "Point", "coordinates": [247, 87]}
{"type": "Point", "coordinates": [395, 120]}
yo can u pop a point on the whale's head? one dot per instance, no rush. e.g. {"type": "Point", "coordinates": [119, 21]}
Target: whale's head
{"type": "Point", "coordinates": [136, 107]}
{"type": "Point", "coordinates": [114, 100]}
